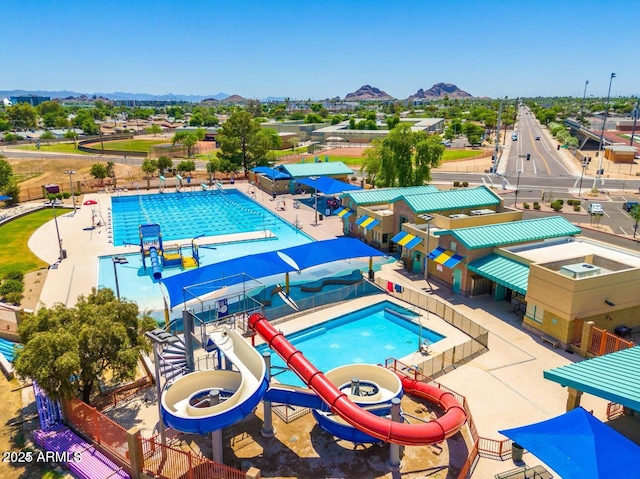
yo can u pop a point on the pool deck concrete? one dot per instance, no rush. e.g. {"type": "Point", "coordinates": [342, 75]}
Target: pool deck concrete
{"type": "Point", "coordinates": [504, 386]}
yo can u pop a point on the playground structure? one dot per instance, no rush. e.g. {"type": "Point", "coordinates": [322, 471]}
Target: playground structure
{"type": "Point", "coordinates": [159, 256]}
{"type": "Point", "coordinates": [358, 403]}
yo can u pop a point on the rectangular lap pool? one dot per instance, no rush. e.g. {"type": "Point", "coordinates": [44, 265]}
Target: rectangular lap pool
{"type": "Point", "coordinates": [191, 214]}
{"type": "Point", "coordinates": [365, 336]}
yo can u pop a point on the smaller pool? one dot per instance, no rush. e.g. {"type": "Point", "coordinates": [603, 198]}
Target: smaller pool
{"type": "Point", "coordinates": [7, 349]}
{"type": "Point", "coordinates": [365, 336]}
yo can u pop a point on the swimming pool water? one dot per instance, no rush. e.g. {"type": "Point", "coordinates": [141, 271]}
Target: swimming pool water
{"type": "Point", "coordinates": [191, 214]}
{"type": "Point", "coordinates": [365, 336]}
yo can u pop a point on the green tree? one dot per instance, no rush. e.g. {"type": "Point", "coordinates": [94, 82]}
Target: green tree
{"type": "Point", "coordinates": [154, 130]}
{"type": "Point", "coordinates": [22, 116]}
{"type": "Point", "coordinates": [186, 166]}
{"type": "Point", "coordinates": [67, 350]}
{"type": "Point", "coordinates": [392, 122]}
{"type": "Point", "coordinates": [213, 165]}
{"type": "Point", "coordinates": [372, 160]}
{"type": "Point", "coordinates": [13, 190]}
{"type": "Point", "coordinates": [187, 139]}
{"type": "Point", "coordinates": [149, 167]}
{"type": "Point", "coordinates": [236, 137]}
{"type": "Point", "coordinates": [111, 172]}
{"type": "Point", "coordinates": [428, 154]}
{"type": "Point", "coordinates": [163, 163]}
{"type": "Point", "coordinates": [47, 136]}
{"type": "Point", "coordinates": [6, 173]}
{"type": "Point", "coordinates": [294, 141]}
{"type": "Point", "coordinates": [72, 135]}
{"type": "Point", "coordinates": [99, 172]}
{"type": "Point", "coordinates": [254, 107]}
{"type": "Point", "coordinates": [196, 119]}
{"type": "Point", "coordinates": [89, 127]}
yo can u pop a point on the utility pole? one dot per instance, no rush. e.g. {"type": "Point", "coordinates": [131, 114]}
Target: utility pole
{"type": "Point", "coordinates": [600, 150]}
{"type": "Point", "coordinates": [635, 114]}
{"type": "Point", "coordinates": [583, 97]}
{"type": "Point", "coordinates": [495, 153]}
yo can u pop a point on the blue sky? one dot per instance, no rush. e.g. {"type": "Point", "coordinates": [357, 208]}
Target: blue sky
{"type": "Point", "coordinates": [319, 49]}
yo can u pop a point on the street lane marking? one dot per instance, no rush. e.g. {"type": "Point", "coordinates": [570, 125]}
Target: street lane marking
{"type": "Point", "coordinates": [623, 231]}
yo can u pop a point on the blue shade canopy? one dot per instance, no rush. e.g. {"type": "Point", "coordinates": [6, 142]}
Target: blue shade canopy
{"type": "Point", "coordinates": [320, 252]}
{"type": "Point", "coordinates": [4, 198]}
{"type": "Point", "coordinates": [271, 172]}
{"type": "Point", "coordinates": [577, 445]}
{"type": "Point", "coordinates": [326, 185]}
{"type": "Point", "coordinates": [207, 279]}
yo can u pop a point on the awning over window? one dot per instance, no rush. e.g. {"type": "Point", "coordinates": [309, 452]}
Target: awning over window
{"type": "Point", "coordinates": [367, 222]}
{"type": "Point", "coordinates": [445, 257]}
{"type": "Point", "coordinates": [344, 212]}
{"type": "Point", "coordinates": [406, 240]}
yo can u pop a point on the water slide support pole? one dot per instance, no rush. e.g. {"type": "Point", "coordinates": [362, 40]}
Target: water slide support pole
{"type": "Point", "coordinates": [267, 425]}
{"type": "Point", "coordinates": [187, 327]}
{"type": "Point", "coordinates": [216, 436]}
{"type": "Point", "coordinates": [286, 284]}
{"type": "Point", "coordinates": [394, 452]}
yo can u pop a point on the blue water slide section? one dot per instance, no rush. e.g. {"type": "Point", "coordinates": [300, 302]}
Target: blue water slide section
{"type": "Point", "coordinates": [204, 425]}
{"type": "Point", "coordinates": [295, 396]}
{"type": "Point", "coordinates": [155, 263]}
{"type": "Point", "coordinates": [343, 431]}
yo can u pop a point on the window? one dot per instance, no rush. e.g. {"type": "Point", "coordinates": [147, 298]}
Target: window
{"type": "Point", "coordinates": [535, 313]}
{"type": "Point", "coordinates": [453, 246]}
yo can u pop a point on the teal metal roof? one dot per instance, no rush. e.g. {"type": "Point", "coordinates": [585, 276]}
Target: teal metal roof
{"type": "Point", "coordinates": [614, 377]}
{"type": "Point", "coordinates": [504, 271]}
{"type": "Point", "coordinates": [303, 170]}
{"type": "Point", "coordinates": [452, 200]}
{"type": "Point", "coordinates": [511, 233]}
{"type": "Point", "coordinates": [387, 195]}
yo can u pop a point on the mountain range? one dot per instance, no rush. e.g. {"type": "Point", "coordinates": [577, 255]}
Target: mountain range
{"type": "Point", "coordinates": [364, 93]}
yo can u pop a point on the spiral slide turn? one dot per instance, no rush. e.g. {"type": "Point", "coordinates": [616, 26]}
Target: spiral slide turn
{"type": "Point", "coordinates": [399, 433]}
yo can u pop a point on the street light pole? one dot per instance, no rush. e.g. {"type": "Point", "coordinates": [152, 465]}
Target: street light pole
{"type": "Point", "coordinates": [315, 189]}
{"type": "Point", "coordinates": [604, 122]}
{"type": "Point", "coordinates": [584, 167]}
{"type": "Point", "coordinates": [428, 218]}
{"type": "Point", "coordinates": [73, 196]}
{"type": "Point", "coordinates": [55, 220]}
{"type": "Point", "coordinates": [118, 260]}
{"type": "Point", "coordinates": [583, 97]}
{"type": "Point", "coordinates": [518, 185]}
{"type": "Point", "coordinates": [635, 113]}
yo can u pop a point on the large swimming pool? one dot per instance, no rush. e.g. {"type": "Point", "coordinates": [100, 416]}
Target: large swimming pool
{"type": "Point", "coordinates": [365, 336]}
{"type": "Point", "coordinates": [191, 214]}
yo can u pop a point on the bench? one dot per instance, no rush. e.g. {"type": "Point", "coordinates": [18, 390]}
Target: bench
{"type": "Point", "coordinates": [537, 472]}
{"type": "Point", "coordinates": [553, 342]}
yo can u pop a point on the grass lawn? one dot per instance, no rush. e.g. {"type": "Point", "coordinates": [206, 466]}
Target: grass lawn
{"type": "Point", "coordinates": [129, 145]}
{"type": "Point", "coordinates": [451, 155]}
{"type": "Point", "coordinates": [55, 148]}
{"type": "Point", "coordinates": [289, 151]}
{"type": "Point", "coordinates": [16, 255]}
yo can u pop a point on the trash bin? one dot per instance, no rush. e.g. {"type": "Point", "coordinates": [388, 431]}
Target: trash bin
{"type": "Point", "coordinates": [321, 216]}
{"type": "Point", "coordinates": [188, 179]}
{"type": "Point", "coordinates": [516, 452]}
{"type": "Point", "coordinates": [327, 212]}
{"type": "Point", "coordinates": [63, 253]}
{"type": "Point", "coordinates": [622, 331]}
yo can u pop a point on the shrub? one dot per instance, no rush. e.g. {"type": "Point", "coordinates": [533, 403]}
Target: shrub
{"type": "Point", "coordinates": [354, 179]}
{"type": "Point", "coordinates": [16, 275]}
{"type": "Point", "coordinates": [536, 206]}
{"type": "Point", "coordinates": [456, 184]}
{"type": "Point", "coordinates": [66, 195]}
{"type": "Point", "coordinates": [570, 202]}
{"type": "Point", "coordinates": [526, 206]}
{"type": "Point", "coordinates": [59, 196]}
{"type": "Point", "coordinates": [576, 207]}
{"type": "Point", "coordinates": [13, 298]}
{"type": "Point", "coordinates": [557, 205]}
{"type": "Point", "coordinates": [11, 286]}
{"type": "Point", "coordinates": [465, 184]}
{"type": "Point", "coordinates": [51, 196]}
{"type": "Point", "coordinates": [576, 202]}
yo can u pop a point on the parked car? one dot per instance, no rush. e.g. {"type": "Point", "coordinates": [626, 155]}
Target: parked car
{"type": "Point", "coordinates": [629, 205]}
{"type": "Point", "coordinates": [595, 209]}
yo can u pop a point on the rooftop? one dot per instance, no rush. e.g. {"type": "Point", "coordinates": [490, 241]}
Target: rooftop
{"type": "Point", "coordinates": [387, 195]}
{"type": "Point", "coordinates": [512, 233]}
{"type": "Point", "coordinates": [300, 170]}
{"type": "Point", "coordinates": [452, 200]}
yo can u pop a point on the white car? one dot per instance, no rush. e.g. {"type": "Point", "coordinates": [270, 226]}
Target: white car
{"type": "Point", "coordinates": [595, 209]}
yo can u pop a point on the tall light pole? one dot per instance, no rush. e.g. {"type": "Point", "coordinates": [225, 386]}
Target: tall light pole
{"type": "Point", "coordinates": [315, 189]}
{"type": "Point", "coordinates": [604, 122]}
{"type": "Point", "coordinates": [584, 167]}
{"type": "Point", "coordinates": [517, 186]}
{"type": "Point", "coordinates": [635, 114]}
{"type": "Point", "coordinates": [73, 196]}
{"type": "Point", "coordinates": [583, 97]}
{"type": "Point", "coordinates": [118, 260]}
{"type": "Point", "coordinates": [428, 219]}
{"type": "Point", "coordinates": [55, 220]}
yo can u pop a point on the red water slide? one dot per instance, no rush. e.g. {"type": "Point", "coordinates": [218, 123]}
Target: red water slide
{"type": "Point", "coordinates": [399, 433]}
